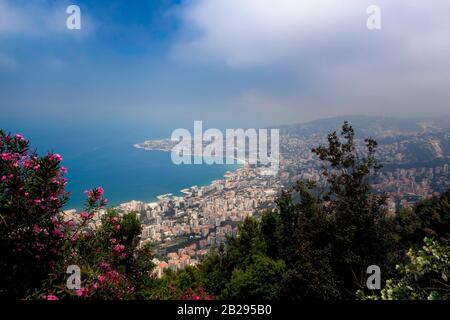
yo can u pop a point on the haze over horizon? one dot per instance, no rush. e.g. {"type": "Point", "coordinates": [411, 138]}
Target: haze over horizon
{"type": "Point", "coordinates": [229, 157]}
{"type": "Point", "coordinates": [235, 63]}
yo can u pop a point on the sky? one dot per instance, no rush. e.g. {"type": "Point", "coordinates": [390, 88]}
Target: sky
{"type": "Point", "coordinates": [230, 63]}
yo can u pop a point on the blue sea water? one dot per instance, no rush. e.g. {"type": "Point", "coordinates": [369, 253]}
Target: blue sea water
{"type": "Point", "coordinates": [106, 157]}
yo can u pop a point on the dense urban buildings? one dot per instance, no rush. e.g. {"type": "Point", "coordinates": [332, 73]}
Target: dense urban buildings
{"type": "Point", "coordinates": [184, 228]}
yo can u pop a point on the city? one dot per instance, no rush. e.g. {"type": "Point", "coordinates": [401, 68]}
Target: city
{"type": "Point", "coordinates": [184, 228]}
{"type": "Point", "coordinates": [281, 152]}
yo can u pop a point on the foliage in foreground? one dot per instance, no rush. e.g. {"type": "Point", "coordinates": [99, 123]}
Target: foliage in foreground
{"type": "Point", "coordinates": [320, 240]}
{"type": "Point", "coordinates": [317, 244]}
{"type": "Point", "coordinates": [424, 277]}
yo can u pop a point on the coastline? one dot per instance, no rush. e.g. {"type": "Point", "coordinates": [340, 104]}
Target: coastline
{"type": "Point", "coordinates": [179, 192]}
{"type": "Point", "coordinates": [240, 160]}
{"type": "Point", "coordinates": [240, 163]}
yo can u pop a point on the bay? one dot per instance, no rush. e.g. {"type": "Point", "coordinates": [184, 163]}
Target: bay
{"type": "Point", "coordinates": [105, 157]}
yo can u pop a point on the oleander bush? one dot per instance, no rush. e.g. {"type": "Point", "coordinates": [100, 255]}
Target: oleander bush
{"type": "Point", "coordinates": [38, 242]}
{"type": "Point", "coordinates": [32, 232]}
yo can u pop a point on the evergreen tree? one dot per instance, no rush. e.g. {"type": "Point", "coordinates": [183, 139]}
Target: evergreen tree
{"type": "Point", "coordinates": [360, 224]}
{"type": "Point", "coordinates": [325, 235]}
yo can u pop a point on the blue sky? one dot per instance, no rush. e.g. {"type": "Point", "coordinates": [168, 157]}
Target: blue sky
{"type": "Point", "coordinates": [230, 63]}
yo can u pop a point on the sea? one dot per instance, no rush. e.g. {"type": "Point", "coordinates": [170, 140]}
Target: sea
{"type": "Point", "coordinates": [104, 156]}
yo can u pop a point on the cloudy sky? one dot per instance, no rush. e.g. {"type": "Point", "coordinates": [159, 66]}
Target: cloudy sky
{"type": "Point", "coordinates": [227, 62]}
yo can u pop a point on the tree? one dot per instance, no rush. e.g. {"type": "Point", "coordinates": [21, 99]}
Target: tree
{"type": "Point", "coordinates": [184, 284]}
{"type": "Point", "coordinates": [260, 280]}
{"type": "Point", "coordinates": [214, 271]}
{"type": "Point", "coordinates": [359, 216]}
{"type": "Point", "coordinates": [428, 218]}
{"type": "Point", "coordinates": [423, 277]}
{"type": "Point", "coordinates": [325, 235]}
{"type": "Point", "coordinates": [306, 242]}
{"type": "Point", "coordinates": [240, 251]}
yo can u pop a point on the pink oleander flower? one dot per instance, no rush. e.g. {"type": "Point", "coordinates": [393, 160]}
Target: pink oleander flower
{"type": "Point", "coordinates": [75, 237]}
{"type": "Point", "coordinates": [114, 275]}
{"type": "Point", "coordinates": [37, 201]}
{"type": "Point", "coordinates": [104, 265]}
{"type": "Point", "coordinates": [5, 156]}
{"type": "Point", "coordinates": [37, 229]}
{"type": "Point", "coordinates": [101, 278]}
{"type": "Point", "coordinates": [63, 169]}
{"type": "Point", "coordinates": [118, 248]}
{"type": "Point", "coordinates": [27, 163]}
{"type": "Point", "coordinates": [100, 191]}
{"type": "Point", "coordinates": [56, 157]}
{"type": "Point", "coordinates": [113, 241]}
{"type": "Point", "coordinates": [19, 137]}
{"type": "Point", "coordinates": [52, 297]}
{"type": "Point", "coordinates": [85, 215]}
{"type": "Point", "coordinates": [81, 292]}
{"type": "Point", "coordinates": [95, 194]}
{"type": "Point", "coordinates": [70, 224]}
{"type": "Point", "coordinates": [114, 220]}
{"type": "Point", "coordinates": [58, 233]}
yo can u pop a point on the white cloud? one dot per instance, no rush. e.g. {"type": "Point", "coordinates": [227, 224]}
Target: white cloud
{"type": "Point", "coordinates": [402, 68]}
{"type": "Point", "coordinates": [262, 32]}
{"type": "Point", "coordinates": [258, 32]}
